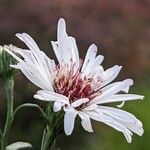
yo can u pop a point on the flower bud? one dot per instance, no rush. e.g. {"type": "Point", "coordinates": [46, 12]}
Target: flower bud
{"type": "Point", "coordinates": [5, 61]}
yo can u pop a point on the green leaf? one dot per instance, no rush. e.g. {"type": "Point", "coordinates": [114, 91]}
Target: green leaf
{"type": "Point", "coordinates": [18, 145]}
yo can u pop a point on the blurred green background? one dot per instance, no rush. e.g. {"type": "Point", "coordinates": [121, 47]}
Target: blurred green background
{"type": "Point", "coordinates": [121, 30]}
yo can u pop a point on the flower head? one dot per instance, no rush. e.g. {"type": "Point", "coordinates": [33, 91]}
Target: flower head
{"type": "Point", "coordinates": [5, 61]}
{"type": "Point", "coordinates": [78, 87]}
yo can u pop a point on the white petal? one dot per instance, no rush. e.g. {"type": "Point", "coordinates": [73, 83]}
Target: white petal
{"type": "Point", "coordinates": [69, 120]}
{"type": "Point", "coordinates": [92, 65]}
{"type": "Point", "coordinates": [35, 79]}
{"type": "Point", "coordinates": [38, 54]}
{"type": "Point", "coordinates": [111, 122]}
{"type": "Point", "coordinates": [110, 74]}
{"type": "Point", "coordinates": [74, 52]}
{"type": "Point", "coordinates": [98, 60]}
{"type": "Point", "coordinates": [61, 31]}
{"type": "Point", "coordinates": [96, 72]}
{"type": "Point", "coordinates": [32, 45]}
{"type": "Point", "coordinates": [122, 104]}
{"type": "Point", "coordinates": [62, 39]}
{"type": "Point", "coordinates": [35, 76]}
{"type": "Point", "coordinates": [126, 119]}
{"type": "Point", "coordinates": [56, 51]}
{"type": "Point", "coordinates": [14, 66]}
{"type": "Point", "coordinates": [90, 56]}
{"type": "Point", "coordinates": [65, 48]}
{"type": "Point", "coordinates": [35, 64]}
{"type": "Point", "coordinates": [57, 106]}
{"type": "Point", "coordinates": [51, 96]}
{"type": "Point", "coordinates": [109, 86]}
{"type": "Point", "coordinates": [28, 41]}
{"type": "Point", "coordinates": [127, 133]}
{"type": "Point", "coordinates": [13, 55]}
{"type": "Point", "coordinates": [26, 54]}
{"type": "Point", "coordinates": [79, 102]}
{"type": "Point", "coordinates": [117, 98]}
{"type": "Point", "coordinates": [85, 121]}
{"type": "Point", "coordinates": [117, 88]}
{"type": "Point", "coordinates": [89, 107]}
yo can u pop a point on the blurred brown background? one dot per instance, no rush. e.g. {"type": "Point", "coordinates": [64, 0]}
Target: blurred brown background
{"type": "Point", "coordinates": [121, 30]}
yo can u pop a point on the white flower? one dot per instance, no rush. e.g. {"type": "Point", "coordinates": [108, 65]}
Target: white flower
{"type": "Point", "coordinates": [79, 87]}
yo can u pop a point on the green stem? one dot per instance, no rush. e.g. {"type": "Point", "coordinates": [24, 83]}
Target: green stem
{"type": "Point", "coordinates": [53, 127]}
{"type": "Point", "coordinates": [2, 144]}
{"type": "Point", "coordinates": [9, 84]}
{"type": "Point", "coordinates": [48, 138]}
{"type": "Point", "coordinates": [49, 131]}
{"type": "Point", "coordinates": [30, 105]}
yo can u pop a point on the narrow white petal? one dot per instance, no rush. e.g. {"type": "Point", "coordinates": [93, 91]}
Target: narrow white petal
{"type": "Point", "coordinates": [56, 51]}
{"type": "Point", "coordinates": [69, 120]}
{"type": "Point", "coordinates": [127, 133]}
{"type": "Point", "coordinates": [51, 96]}
{"type": "Point", "coordinates": [117, 98]}
{"type": "Point", "coordinates": [14, 66]}
{"type": "Point", "coordinates": [85, 121]}
{"type": "Point", "coordinates": [61, 28]}
{"type": "Point", "coordinates": [62, 39]}
{"type": "Point", "coordinates": [109, 86]}
{"type": "Point", "coordinates": [92, 65]}
{"type": "Point", "coordinates": [36, 52]}
{"type": "Point", "coordinates": [28, 41]}
{"type": "Point", "coordinates": [110, 74]}
{"type": "Point", "coordinates": [98, 60]}
{"type": "Point", "coordinates": [126, 119]}
{"type": "Point", "coordinates": [39, 97]}
{"type": "Point", "coordinates": [90, 55]}
{"type": "Point", "coordinates": [34, 76]}
{"type": "Point", "coordinates": [95, 63]}
{"type": "Point", "coordinates": [96, 72]}
{"type": "Point", "coordinates": [74, 52]}
{"type": "Point", "coordinates": [32, 45]}
{"type": "Point", "coordinates": [27, 55]}
{"type": "Point", "coordinates": [34, 63]}
{"type": "Point", "coordinates": [65, 48]}
{"type": "Point", "coordinates": [13, 55]}
{"type": "Point", "coordinates": [79, 102]}
{"type": "Point", "coordinates": [57, 106]}
{"type": "Point", "coordinates": [122, 104]}
{"type": "Point", "coordinates": [27, 72]}
{"type": "Point", "coordinates": [118, 87]}
{"type": "Point", "coordinates": [89, 107]}
{"type": "Point", "coordinates": [111, 122]}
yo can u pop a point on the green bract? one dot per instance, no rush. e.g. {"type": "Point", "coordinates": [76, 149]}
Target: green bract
{"type": "Point", "coordinates": [5, 61]}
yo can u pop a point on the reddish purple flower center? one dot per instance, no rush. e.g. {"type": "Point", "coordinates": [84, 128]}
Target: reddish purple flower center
{"type": "Point", "coordinates": [73, 86]}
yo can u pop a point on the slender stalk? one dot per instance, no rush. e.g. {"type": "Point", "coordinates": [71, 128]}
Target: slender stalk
{"type": "Point", "coordinates": [9, 84]}
{"type": "Point", "coordinates": [49, 133]}
{"type": "Point", "coordinates": [2, 144]}
{"type": "Point", "coordinates": [32, 106]}
{"type": "Point", "coordinates": [53, 127]}
{"type": "Point", "coordinates": [48, 138]}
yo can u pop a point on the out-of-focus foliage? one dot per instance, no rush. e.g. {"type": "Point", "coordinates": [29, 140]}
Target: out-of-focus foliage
{"type": "Point", "coordinates": [121, 29]}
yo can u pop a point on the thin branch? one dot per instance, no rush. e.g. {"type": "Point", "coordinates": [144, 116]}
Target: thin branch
{"type": "Point", "coordinates": [32, 106]}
